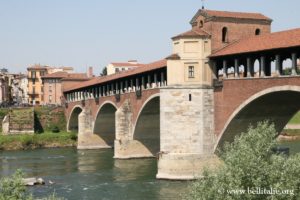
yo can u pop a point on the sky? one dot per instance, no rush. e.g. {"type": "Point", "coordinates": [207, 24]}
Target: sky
{"type": "Point", "coordinates": [83, 33]}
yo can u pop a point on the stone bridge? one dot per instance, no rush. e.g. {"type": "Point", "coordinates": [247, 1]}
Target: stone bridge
{"type": "Point", "coordinates": [135, 119]}
{"type": "Point", "coordinates": [182, 108]}
{"type": "Point", "coordinates": [242, 102]}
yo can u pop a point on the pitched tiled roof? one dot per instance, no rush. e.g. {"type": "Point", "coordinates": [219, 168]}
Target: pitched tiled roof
{"type": "Point", "coordinates": [56, 75]}
{"type": "Point", "coordinates": [122, 74]}
{"type": "Point", "coordinates": [65, 75]}
{"type": "Point", "coordinates": [229, 14]}
{"type": "Point", "coordinates": [173, 56]}
{"type": "Point", "coordinates": [277, 40]}
{"type": "Point", "coordinates": [240, 15]}
{"type": "Point", "coordinates": [192, 34]}
{"type": "Point", "coordinates": [126, 64]}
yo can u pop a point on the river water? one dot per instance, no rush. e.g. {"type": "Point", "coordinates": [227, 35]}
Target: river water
{"type": "Point", "coordinates": [94, 174]}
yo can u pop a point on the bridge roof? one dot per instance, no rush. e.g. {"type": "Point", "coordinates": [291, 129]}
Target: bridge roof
{"type": "Point", "coordinates": [271, 41]}
{"type": "Point", "coordinates": [102, 79]}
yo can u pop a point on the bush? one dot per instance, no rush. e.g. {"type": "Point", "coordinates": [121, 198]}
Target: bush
{"type": "Point", "coordinates": [251, 170]}
{"type": "Point", "coordinates": [55, 129]}
{"type": "Point", "coordinates": [13, 188]}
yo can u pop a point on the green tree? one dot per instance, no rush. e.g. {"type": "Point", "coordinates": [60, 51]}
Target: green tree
{"type": "Point", "coordinates": [104, 72]}
{"type": "Point", "coordinates": [250, 166]}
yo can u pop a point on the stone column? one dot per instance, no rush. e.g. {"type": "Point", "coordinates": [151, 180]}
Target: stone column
{"type": "Point", "coordinates": [262, 66]}
{"type": "Point", "coordinates": [236, 68]}
{"type": "Point", "coordinates": [225, 69]}
{"type": "Point", "coordinates": [143, 82]}
{"type": "Point", "coordinates": [249, 67]}
{"type": "Point", "coordinates": [278, 65]}
{"type": "Point", "coordinates": [162, 79]}
{"type": "Point", "coordinates": [137, 84]}
{"type": "Point", "coordinates": [149, 81]}
{"type": "Point", "coordinates": [155, 80]}
{"type": "Point", "coordinates": [294, 63]}
{"type": "Point", "coordinates": [121, 87]}
{"type": "Point", "coordinates": [186, 132]}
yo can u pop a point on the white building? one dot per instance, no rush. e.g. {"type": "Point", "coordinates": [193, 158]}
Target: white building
{"type": "Point", "coordinates": [116, 67]}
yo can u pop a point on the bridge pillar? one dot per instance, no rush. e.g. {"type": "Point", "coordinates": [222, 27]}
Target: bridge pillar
{"type": "Point", "coordinates": [125, 146]}
{"type": "Point", "coordinates": [278, 65]}
{"type": "Point", "coordinates": [187, 132]}
{"type": "Point", "coordinates": [86, 138]}
{"type": "Point", "coordinates": [262, 66]}
{"type": "Point", "coordinates": [294, 63]}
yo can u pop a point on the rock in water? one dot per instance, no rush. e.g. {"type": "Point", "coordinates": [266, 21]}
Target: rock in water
{"type": "Point", "coordinates": [33, 181]}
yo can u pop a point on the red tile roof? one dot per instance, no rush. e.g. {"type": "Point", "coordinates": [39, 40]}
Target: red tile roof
{"type": "Point", "coordinates": [102, 79]}
{"type": "Point", "coordinates": [239, 15]}
{"type": "Point", "coordinates": [277, 40]}
{"type": "Point", "coordinates": [173, 56]}
{"type": "Point", "coordinates": [127, 64]}
{"type": "Point", "coordinates": [192, 34]}
{"type": "Point", "coordinates": [65, 75]}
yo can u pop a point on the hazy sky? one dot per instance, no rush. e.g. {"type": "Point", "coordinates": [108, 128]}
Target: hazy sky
{"type": "Point", "coordinates": [82, 33]}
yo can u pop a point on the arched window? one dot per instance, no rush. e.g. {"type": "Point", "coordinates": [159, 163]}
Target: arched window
{"type": "Point", "coordinates": [257, 31]}
{"type": "Point", "coordinates": [224, 34]}
{"type": "Point", "coordinates": [201, 24]}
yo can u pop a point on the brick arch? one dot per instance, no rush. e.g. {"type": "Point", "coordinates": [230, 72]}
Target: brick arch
{"type": "Point", "coordinates": [71, 117]}
{"type": "Point", "coordinates": [279, 103]}
{"type": "Point", "coordinates": [146, 128]}
{"type": "Point", "coordinates": [104, 125]}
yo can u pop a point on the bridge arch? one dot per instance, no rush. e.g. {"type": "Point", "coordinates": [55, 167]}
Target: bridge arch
{"type": "Point", "coordinates": [104, 125]}
{"type": "Point", "coordinates": [277, 104]}
{"type": "Point", "coordinates": [147, 126]}
{"type": "Point", "coordinates": [73, 119]}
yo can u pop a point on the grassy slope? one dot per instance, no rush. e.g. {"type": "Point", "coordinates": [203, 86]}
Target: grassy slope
{"type": "Point", "coordinates": [44, 140]}
{"type": "Point", "coordinates": [295, 119]}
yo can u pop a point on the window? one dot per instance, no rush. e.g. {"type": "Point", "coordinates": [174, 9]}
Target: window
{"type": "Point", "coordinates": [50, 98]}
{"type": "Point", "coordinates": [201, 24]}
{"type": "Point", "coordinates": [224, 34]}
{"type": "Point", "coordinates": [42, 73]}
{"type": "Point", "coordinates": [206, 46]}
{"type": "Point", "coordinates": [33, 90]}
{"type": "Point", "coordinates": [123, 69]}
{"type": "Point", "coordinates": [50, 88]}
{"type": "Point", "coordinates": [33, 74]}
{"type": "Point", "coordinates": [191, 72]}
{"type": "Point", "coordinates": [117, 70]}
{"type": "Point", "coordinates": [257, 31]}
{"type": "Point", "coordinates": [33, 81]}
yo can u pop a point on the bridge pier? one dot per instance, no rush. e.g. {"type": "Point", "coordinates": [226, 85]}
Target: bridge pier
{"type": "Point", "coordinates": [125, 145]}
{"type": "Point", "coordinates": [86, 138]}
{"type": "Point", "coordinates": [187, 132]}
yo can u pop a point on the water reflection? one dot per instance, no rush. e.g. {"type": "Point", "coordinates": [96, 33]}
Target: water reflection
{"type": "Point", "coordinates": [125, 170]}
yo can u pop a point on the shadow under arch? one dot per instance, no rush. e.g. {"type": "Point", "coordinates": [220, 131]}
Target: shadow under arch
{"type": "Point", "coordinates": [105, 126]}
{"type": "Point", "coordinates": [73, 119]}
{"type": "Point", "coordinates": [147, 127]}
{"type": "Point", "coordinates": [277, 104]}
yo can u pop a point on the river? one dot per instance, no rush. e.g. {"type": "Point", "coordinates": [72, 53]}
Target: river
{"type": "Point", "coordinates": [94, 174]}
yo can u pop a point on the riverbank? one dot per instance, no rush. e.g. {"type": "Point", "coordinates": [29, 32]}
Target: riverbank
{"type": "Point", "coordinates": [289, 135]}
{"type": "Point", "coordinates": [43, 140]}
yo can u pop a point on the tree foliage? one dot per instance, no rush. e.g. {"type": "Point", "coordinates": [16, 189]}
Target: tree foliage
{"type": "Point", "coordinates": [251, 170]}
{"type": "Point", "coordinates": [104, 71]}
{"type": "Point", "coordinates": [13, 188]}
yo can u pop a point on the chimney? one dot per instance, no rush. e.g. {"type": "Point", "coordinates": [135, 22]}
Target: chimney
{"type": "Point", "coordinates": [90, 72]}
